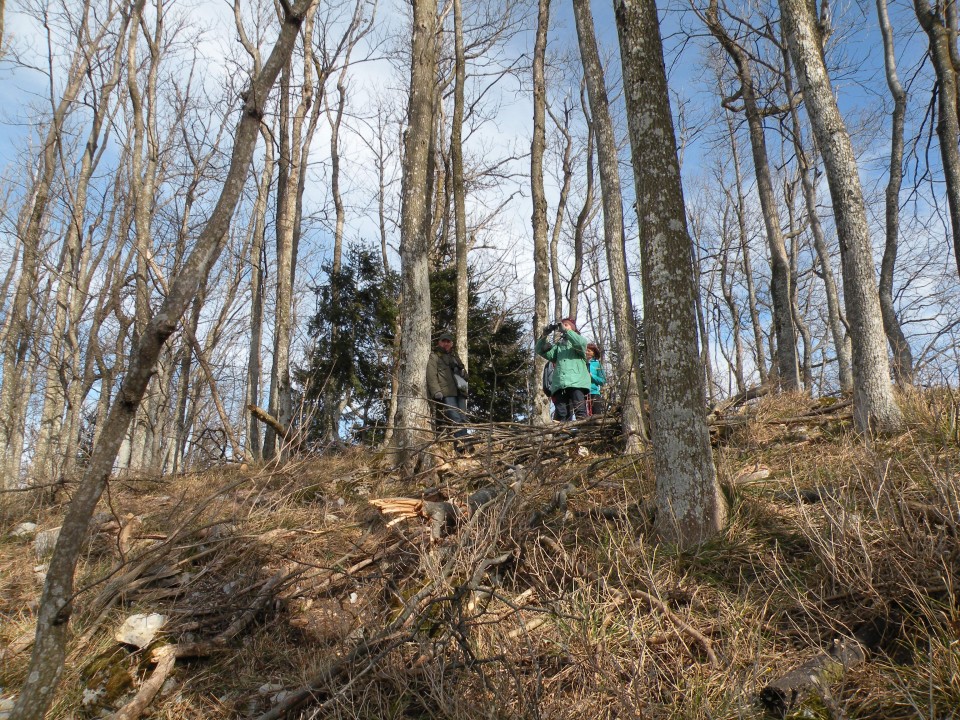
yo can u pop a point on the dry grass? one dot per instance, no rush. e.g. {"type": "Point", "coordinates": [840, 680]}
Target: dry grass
{"type": "Point", "coordinates": [534, 608]}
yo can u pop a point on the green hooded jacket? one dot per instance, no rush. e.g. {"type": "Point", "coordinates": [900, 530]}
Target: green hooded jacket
{"type": "Point", "coordinates": [570, 358]}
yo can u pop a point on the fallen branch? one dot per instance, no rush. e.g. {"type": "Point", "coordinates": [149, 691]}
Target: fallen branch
{"type": "Point", "coordinates": [282, 430]}
{"type": "Point", "coordinates": [166, 658]}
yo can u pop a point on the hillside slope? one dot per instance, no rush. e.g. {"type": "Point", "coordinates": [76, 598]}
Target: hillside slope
{"type": "Point", "coordinates": [523, 581]}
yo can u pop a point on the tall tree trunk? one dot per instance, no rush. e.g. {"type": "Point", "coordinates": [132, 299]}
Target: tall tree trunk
{"type": "Point", "coordinates": [875, 408]}
{"type": "Point", "coordinates": [793, 230]}
{"type": "Point", "coordinates": [144, 161]}
{"type": "Point", "coordinates": [752, 305]}
{"type": "Point", "coordinates": [413, 412]}
{"type": "Point", "coordinates": [56, 603]}
{"type": "Point", "coordinates": [838, 328]}
{"type": "Point", "coordinates": [788, 372]}
{"type": "Point", "coordinates": [690, 507]}
{"type": "Point", "coordinates": [459, 192]}
{"type": "Point", "coordinates": [294, 149]}
{"type": "Point", "coordinates": [555, 232]}
{"type": "Point", "coordinates": [257, 265]}
{"type": "Point", "coordinates": [902, 355]}
{"type": "Point", "coordinates": [726, 289]}
{"type": "Point", "coordinates": [586, 210]}
{"type": "Point", "coordinates": [540, 412]}
{"type": "Point", "coordinates": [936, 24]}
{"type": "Point", "coordinates": [624, 341]}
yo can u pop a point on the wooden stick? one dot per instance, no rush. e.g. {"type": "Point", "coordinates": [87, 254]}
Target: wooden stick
{"type": "Point", "coordinates": [165, 658]}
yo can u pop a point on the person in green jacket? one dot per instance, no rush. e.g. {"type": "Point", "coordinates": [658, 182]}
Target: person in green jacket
{"type": "Point", "coordinates": [447, 384]}
{"type": "Point", "coordinates": [570, 383]}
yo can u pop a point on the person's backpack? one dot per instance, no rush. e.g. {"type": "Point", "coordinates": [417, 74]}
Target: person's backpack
{"type": "Point", "coordinates": [547, 378]}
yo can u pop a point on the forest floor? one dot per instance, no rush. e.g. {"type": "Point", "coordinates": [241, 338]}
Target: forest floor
{"type": "Point", "coordinates": [286, 592]}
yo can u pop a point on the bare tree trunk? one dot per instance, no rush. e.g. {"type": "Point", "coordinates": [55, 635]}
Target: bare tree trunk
{"type": "Point", "coordinates": [726, 288]}
{"type": "Point", "coordinates": [583, 217]}
{"type": "Point", "coordinates": [257, 262]}
{"type": "Point", "coordinates": [902, 355]}
{"type": "Point", "coordinates": [567, 169]}
{"type": "Point", "coordinates": [624, 341]}
{"type": "Point", "coordinates": [690, 507]}
{"type": "Point", "coordinates": [459, 192]}
{"type": "Point", "coordinates": [56, 603]}
{"type": "Point", "coordinates": [793, 230]}
{"type": "Point", "coordinates": [936, 24]}
{"type": "Point", "coordinates": [875, 408]}
{"type": "Point", "coordinates": [788, 372]}
{"type": "Point", "coordinates": [760, 356]}
{"type": "Point", "coordinates": [294, 151]}
{"type": "Point", "coordinates": [540, 412]}
{"type": "Point", "coordinates": [413, 414]}
{"type": "Point", "coordinates": [703, 331]}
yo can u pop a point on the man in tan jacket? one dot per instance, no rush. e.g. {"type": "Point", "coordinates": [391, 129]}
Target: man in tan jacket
{"type": "Point", "coordinates": [447, 384]}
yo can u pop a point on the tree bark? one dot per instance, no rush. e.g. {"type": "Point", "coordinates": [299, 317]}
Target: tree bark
{"type": "Point", "coordinates": [540, 411]}
{"type": "Point", "coordinates": [413, 412]}
{"type": "Point", "coordinates": [902, 355]}
{"type": "Point", "coordinates": [56, 603]}
{"type": "Point", "coordinates": [875, 408]}
{"type": "Point", "coordinates": [690, 507]}
{"type": "Point", "coordinates": [936, 24]}
{"type": "Point", "coordinates": [624, 340]}
{"type": "Point", "coordinates": [459, 192]}
{"type": "Point", "coordinates": [759, 355]}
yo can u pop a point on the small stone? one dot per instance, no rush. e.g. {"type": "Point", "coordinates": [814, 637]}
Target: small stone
{"type": "Point", "coordinates": [40, 573]}
{"type": "Point", "coordinates": [331, 518]}
{"type": "Point", "coordinates": [229, 588]}
{"type": "Point", "coordinates": [24, 529]}
{"type": "Point", "coordinates": [268, 688]}
{"type": "Point", "coordinates": [6, 707]}
{"type": "Point", "coordinates": [45, 541]}
{"type": "Point", "coordinates": [139, 630]}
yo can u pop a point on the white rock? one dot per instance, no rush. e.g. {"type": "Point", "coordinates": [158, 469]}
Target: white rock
{"type": "Point", "coordinates": [40, 573]}
{"type": "Point", "coordinates": [268, 688]}
{"type": "Point", "coordinates": [139, 630]}
{"type": "Point", "coordinates": [45, 541]}
{"type": "Point", "coordinates": [24, 529]}
{"type": "Point", "coordinates": [6, 707]}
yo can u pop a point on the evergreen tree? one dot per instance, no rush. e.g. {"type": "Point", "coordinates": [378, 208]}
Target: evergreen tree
{"type": "Point", "coordinates": [499, 363]}
{"type": "Point", "coordinates": [356, 365]}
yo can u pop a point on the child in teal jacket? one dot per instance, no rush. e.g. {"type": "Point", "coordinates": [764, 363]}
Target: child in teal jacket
{"type": "Point", "coordinates": [598, 378]}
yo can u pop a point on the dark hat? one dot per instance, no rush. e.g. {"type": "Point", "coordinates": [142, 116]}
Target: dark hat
{"type": "Point", "coordinates": [445, 336]}
{"type": "Point", "coordinates": [572, 322]}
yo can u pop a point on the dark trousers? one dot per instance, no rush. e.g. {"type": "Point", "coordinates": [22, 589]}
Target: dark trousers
{"type": "Point", "coordinates": [568, 402]}
{"type": "Point", "coordinates": [596, 405]}
{"type": "Point", "coordinates": [454, 412]}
